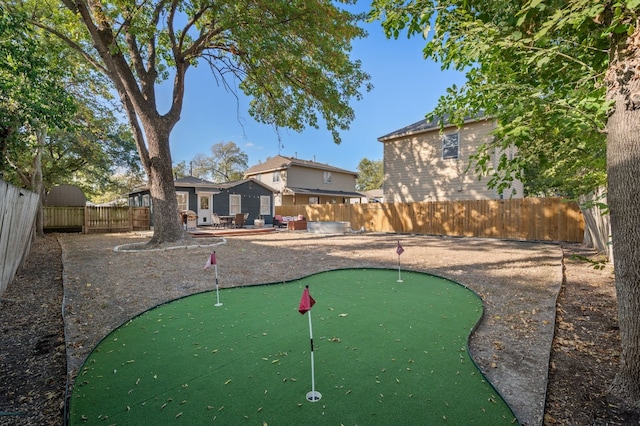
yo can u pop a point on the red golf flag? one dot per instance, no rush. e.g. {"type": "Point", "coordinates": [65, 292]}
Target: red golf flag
{"type": "Point", "coordinates": [211, 260]}
{"type": "Point", "coordinates": [306, 302]}
{"type": "Point", "coordinates": [399, 249]}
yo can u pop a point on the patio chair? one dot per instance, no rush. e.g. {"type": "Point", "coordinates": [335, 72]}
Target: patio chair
{"type": "Point", "coordinates": [215, 220]}
{"type": "Point", "coordinates": [239, 223]}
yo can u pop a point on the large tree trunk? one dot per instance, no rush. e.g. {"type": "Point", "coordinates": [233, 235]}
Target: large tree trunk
{"type": "Point", "coordinates": [623, 173]}
{"type": "Point", "coordinates": [167, 227]}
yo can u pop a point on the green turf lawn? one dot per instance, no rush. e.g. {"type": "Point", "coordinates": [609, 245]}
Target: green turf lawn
{"type": "Point", "coordinates": [385, 353]}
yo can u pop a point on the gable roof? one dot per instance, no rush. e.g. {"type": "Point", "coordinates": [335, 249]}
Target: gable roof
{"type": "Point", "coordinates": [194, 182]}
{"type": "Point", "coordinates": [227, 185]}
{"type": "Point", "coordinates": [423, 126]}
{"type": "Point", "coordinates": [280, 162]}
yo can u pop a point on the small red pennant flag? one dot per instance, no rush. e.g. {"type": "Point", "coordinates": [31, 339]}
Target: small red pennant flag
{"type": "Point", "coordinates": [399, 249]}
{"type": "Point", "coordinates": [211, 261]}
{"type": "Point", "coordinates": [306, 302]}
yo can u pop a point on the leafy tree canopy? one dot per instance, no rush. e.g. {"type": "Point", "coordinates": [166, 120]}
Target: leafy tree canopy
{"type": "Point", "coordinates": [227, 163]}
{"type": "Point", "coordinates": [370, 175]}
{"type": "Point", "coordinates": [47, 92]}
{"type": "Point", "coordinates": [32, 90]}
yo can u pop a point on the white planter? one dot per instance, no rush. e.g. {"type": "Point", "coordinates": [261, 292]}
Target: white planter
{"type": "Point", "coordinates": [258, 223]}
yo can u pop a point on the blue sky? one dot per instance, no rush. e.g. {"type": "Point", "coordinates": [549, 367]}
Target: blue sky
{"type": "Point", "coordinates": [406, 87]}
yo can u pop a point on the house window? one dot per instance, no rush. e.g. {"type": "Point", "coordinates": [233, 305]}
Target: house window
{"type": "Point", "coordinates": [326, 177]}
{"type": "Point", "coordinates": [275, 177]}
{"type": "Point", "coordinates": [450, 146]}
{"type": "Point", "coordinates": [314, 200]}
{"type": "Point", "coordinates": [204, 202]}
{"type": "Point", "coordinates": [183, 201]}
{"type": "Point", "coordinates": [265, 205]}
{"type": "Point", "coordinates": [235, 205]}
{"type": "Point", "coordinates": [146, 200]}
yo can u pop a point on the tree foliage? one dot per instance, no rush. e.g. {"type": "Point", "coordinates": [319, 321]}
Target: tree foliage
{"type": "Point", "coordinates": [226, 163]}
{"type": "Point", "coordinates": [32, 91]}
{"type": "Point", "coordinates": [180, 170]}
{"type": "Point", "coordinates": [370, 175]}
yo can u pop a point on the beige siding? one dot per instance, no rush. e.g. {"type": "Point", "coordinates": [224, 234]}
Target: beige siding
{"type": "Point", "coordinates": [415, 170]}
{"type": "Point", "coordinates": [304, 177]}
{"type": "Point", "coordinates": [267, 179]}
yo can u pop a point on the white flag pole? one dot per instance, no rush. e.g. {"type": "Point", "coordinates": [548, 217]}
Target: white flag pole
{"type": "Point", "coordinates": [217, 290]}
{"type": "Point", "coordinates": [399, 251]}
{"type": "Point", "coordinates": [312, 396]}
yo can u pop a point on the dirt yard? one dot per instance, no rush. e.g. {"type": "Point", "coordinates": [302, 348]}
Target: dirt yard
{"type": "Point", "coordinates": [518, 282]}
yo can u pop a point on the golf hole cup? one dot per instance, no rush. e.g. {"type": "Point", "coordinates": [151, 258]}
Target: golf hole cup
{"type": "Point", "coordinates": [314, 396]}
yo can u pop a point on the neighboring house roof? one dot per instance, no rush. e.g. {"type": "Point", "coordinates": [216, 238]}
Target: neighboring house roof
{"type": "Point", "coordinates": [280, 162]}
{"type": "Point", "coordinates": [427, 126]}
{"type": "Point", "coordinates": [227, 185]}
{"type": "Point", "coordinates": [194, 182]}
{"type": "Point", "coordinates": [373, 193]}
{"type": "Point", "coordinates": [308, 191]}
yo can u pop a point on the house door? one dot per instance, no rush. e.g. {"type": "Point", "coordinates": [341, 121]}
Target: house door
{"type": "Point", "coordinates": [204, 209]}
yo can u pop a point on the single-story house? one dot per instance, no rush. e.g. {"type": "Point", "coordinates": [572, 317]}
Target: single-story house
{"type": "Point", "coordinates": [205, 198]}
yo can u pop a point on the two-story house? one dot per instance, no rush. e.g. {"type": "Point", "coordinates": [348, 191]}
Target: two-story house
{"type": "Point", "coordinates": [296, 181]}
{"type": "Point", "coordinates": [423, 162]}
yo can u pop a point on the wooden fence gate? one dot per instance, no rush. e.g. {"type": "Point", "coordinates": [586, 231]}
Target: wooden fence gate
{"type": "Point", "coordinates": [97, 219]}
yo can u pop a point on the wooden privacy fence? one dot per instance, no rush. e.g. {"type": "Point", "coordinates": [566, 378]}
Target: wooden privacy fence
{"type": "Point", "coordinates": [18, 208]}
{"type": "Point", "coordinates": [97, 219]}
{"type": "Point", "coordinates": [532, 219]}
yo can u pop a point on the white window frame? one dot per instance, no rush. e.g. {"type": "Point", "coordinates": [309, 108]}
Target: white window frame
{"type": "Point", "coordinates": [265, 205]}
{"type": "Point", "coordinates": [326, 176]}
{"type": "Point", "coordinates": [314, 200]}
{"type": "Point", "coordinates": [275, 176]}
{"type": "Point", "coordinates": [183, 200]}
{"type": "Point", "coordinates": [235, 204]}
{"type": "Point", "coordinates": [451, 142]}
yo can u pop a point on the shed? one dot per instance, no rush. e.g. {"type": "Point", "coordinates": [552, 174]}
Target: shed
{"type": "Point", "coordinates": [65, 196]}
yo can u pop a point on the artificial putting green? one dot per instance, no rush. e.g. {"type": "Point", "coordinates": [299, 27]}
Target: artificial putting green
{"type": "Point", "coordinates": [385, 352]}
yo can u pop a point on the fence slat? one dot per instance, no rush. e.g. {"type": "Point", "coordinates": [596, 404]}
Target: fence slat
{"type": "Point", "coordinates": [18, 209]}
